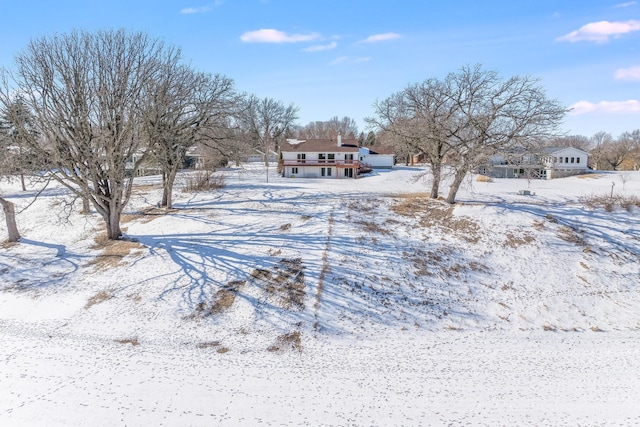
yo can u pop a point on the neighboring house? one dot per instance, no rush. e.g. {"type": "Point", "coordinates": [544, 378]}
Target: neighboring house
{"type": "Point", "coordinates": [326, 158]}
{"type": "Point", "coordinates": [260, 157]}
{"type": "Point", "coordinates": [377, 157]}
{"type": "Point", "coordinates": [549, 163]}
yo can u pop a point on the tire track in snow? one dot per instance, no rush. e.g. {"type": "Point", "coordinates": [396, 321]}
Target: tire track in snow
{"type": "Point", "coordinates": [323, 272]}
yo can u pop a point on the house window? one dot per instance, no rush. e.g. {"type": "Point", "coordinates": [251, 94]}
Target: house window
{"type": "Point", "coordinates": [323, 171]}
{"type": "Point", "coordinates": [302, 157]}
{"type": "Point", "coordinates": [331, 157]}
{"type": "Point", "coordinates": [321, 158]}
{"type": "Point", "coordinates": [566, 160]}
{"type": "Point", "coordinates": [328, 171]}
{"type": "Point", "coordinates": [560, 159]}
{"type": "Point", "coordinates": [573, 160]}
{"type": "Point", "coordinates": [294, 170]}
{"type": "Point", "coordinates": [577, 159]}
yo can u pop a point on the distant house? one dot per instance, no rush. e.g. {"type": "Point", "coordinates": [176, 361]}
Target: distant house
{"type": "Point", "coordinates": [547, 163]}
{"type": "Point", "coordinates": [330, 158]}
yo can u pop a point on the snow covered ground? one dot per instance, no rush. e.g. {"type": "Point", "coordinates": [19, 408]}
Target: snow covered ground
{"type": "Point", "coordinates": [327, 302]}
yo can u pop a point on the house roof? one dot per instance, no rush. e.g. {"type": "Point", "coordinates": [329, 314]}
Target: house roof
{"type": "Point", "coordinates": [554, 150]}
{"type": "Point", "coordinates": [321, 146]}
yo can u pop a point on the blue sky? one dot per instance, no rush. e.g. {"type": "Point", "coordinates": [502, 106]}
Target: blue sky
{"type": "Point", "coordinates": [335, 58]}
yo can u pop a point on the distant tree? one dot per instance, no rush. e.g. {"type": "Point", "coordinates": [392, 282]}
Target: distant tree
{"type": "Point", "coordinates": [267, 121]}
{"type": "Point", "coordinates": [18, 159]}
{"type": "Point", "coordinates": [86, 92]}
{"type": "Point", "coordinates": [577, 141]}
{"type": "Point", "coordinates": [370, 140]}
{"type": "Point", "coordinates": [361, 139]}
{"type": "Point", "coordinates": [599, 143]}
{"type": "Point", "coordinates": [346, 126]}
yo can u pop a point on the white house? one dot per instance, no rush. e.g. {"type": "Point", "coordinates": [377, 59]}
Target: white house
{"type": "Point", "coordinates": [322, 158]}
{"type": "Point", "coordinates": [548, 163]}
{"type": "Point", "coordinates": [378, 158]}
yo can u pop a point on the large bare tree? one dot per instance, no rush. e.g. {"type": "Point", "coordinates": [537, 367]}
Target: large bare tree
{"type": "Point", "coordinates": [467, 117]}
{"type": "Point", "coordinates": [184, 108]}
{"type": "Point", "coordinates": [417, 120]}
{"type": "Point", "coordinates": [86, 92]}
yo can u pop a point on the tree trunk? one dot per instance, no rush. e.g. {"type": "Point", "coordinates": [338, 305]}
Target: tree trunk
{"type": "Point", "coordinates": [24, 187]}
{"type": "Point", "coordinates": [10, 216]}
{"type": "Point", "coordinates": [436, 171]}
{"type": "Point", "coordinates": [167, 191]}
{"type": "Point", "coordinates": [457, 180]}
{"type": "Point", "coordinates": [113, 225]}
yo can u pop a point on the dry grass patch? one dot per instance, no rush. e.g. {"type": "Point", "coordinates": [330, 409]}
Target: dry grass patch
{"type": "Point", "coordinates": [113, 251]}
{"type": "Point", "coordinates": [514, 241]}
{"type": "Point", "coordinates": [101, 296]}
{"type": "Point", "coordinates": [484, 178]}
{"type": "Point", "coordinates": [571, 235]}
{"type": "Point", "coordinates": [372, 227]}
{"type": "Point", "coordinates": [286, 282]}
{"type": "Point", "coordinates": [132, 341]}
{"type": "Point", "coordinates": [208, 344]}
{"type": "Point", "coordinates": [222, 300]}
{"type": "Point", "coordinates": [435, 213]}
{"type": "Point", "coordinates": [290, 341]}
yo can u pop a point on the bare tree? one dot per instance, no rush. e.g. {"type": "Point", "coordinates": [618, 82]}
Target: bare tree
{"type": "Point", "coordinates": [184, 108]}
{"type": "Point", "coordinates": [599, 142]}
{"type": "Point", "coordinates": [86, 92]}
{"type": "Point", "coordinates": [267, 121]}
{"type": "Point", "coordinates": [492, 113]}
{"type": "Point", "coordinates": [466, 118]}
{"type": "Point", "coordinates": [346, 126]}
{"type": "Point", "coordinates": [417, 119]}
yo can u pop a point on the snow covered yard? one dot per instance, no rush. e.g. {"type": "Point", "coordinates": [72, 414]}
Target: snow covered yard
{"type": "Point", "coordinates": [327, 302]}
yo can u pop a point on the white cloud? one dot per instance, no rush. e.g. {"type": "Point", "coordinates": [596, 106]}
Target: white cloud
{"type": "Point", "coordinates": [201, 9]}
{"type": "Point", "coordinates": [318, 48]}
{"type": "Point", "coordinates": [275, 36]}
{"type": "Point", "coordinates": [340, 60]}
{"type": "Point", "coordinates": [631, 73]}
{"type": "Point", "coordinates": [349, 60]}
{"type": "Point", "coordinates": [381, 37]}
{"type": "Point", "coordinates": [605, 107]}
{"type": "Point", "coordinates": [627, 4]}
{"type": "Point", "coordinates": [600, 32]}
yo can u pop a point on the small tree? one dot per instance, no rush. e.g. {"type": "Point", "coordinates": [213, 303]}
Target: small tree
{"type": "Point", "coordinates": [266, 121]}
